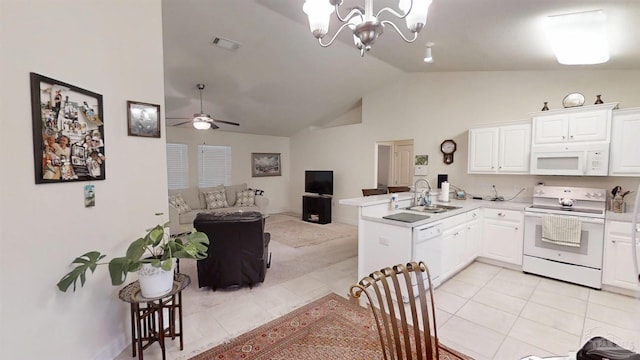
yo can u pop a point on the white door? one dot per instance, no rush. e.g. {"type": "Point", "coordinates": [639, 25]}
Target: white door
{"type": "Point", "coordinates": [589, 126]}
{"type": "Point", "coordinates": [403, 164]}
{"type": "Point", "coordinates": [625, 133]}
{"type": "Point", "coordinates": [550, 128]}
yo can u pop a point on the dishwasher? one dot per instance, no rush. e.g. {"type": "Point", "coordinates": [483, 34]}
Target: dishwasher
{"type": "Point", "coordinates": [427, 247]}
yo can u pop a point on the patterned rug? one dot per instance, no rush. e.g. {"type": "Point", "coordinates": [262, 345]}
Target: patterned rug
{"type": "Point", "coordinates": [296, 233]}
{"type": "Point", "coordinates": [328, 328]}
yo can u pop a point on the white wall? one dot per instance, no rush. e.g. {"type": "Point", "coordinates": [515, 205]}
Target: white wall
{"type": "Point", "coordinates": [114, 48]}
{"type": "Point", "coordinates": [432, 107]}
{"type": "Point", "coordinates": [276, 188]}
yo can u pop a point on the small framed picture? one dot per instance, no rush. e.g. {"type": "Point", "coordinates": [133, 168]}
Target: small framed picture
{"type": "Point", "coordinates": [143, 119]}
{"type": "Point", "coordinates": [265, 164]}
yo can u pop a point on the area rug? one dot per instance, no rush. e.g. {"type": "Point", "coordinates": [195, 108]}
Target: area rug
{"type": "Point", "coordinates": [328, 328]}
{"type": "Point", "coordinates": [296, 233]}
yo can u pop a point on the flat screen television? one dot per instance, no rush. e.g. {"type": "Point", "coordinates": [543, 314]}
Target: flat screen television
{"type": "Point", "coordinates": [318, 182]}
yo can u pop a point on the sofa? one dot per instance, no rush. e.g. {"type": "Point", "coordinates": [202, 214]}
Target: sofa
{"type": "Point", "coordinates": [186, 204]}
{"type": "Point", "coordinates": [238, 251]}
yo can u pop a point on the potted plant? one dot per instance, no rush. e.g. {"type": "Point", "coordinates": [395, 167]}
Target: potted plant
{"type": "Point", "coordinates": [154, 254]}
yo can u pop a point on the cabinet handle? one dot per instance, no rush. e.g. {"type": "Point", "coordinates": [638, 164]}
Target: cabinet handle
{"type": "Point", "coordinates": [516, 228]}
{"type": "Point", "coordinates": [563, 137]}
{"type": "Point", "coordinates": [474, 215]}
{"type": "Point", "coordinates": [613, 241]}
{"type": "Point", "coordinates": [500, 167]}
{"type": "Point", "coordinates": [571, 136]}
{"type": "Point", "coordinates": [501, 214]}
{"type": "Point", "coordinates": [456, 234]}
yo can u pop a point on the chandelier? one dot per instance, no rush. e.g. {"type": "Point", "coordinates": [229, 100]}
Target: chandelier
{"type": "Point", "coordinates": [365, 25]}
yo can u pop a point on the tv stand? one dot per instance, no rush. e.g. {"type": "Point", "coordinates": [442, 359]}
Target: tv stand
{"type": "Point", "coordinates": [316, 209]}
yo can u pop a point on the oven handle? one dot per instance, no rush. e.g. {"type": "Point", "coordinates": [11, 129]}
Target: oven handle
{"type": "Point", "coordinates": [583, 219]}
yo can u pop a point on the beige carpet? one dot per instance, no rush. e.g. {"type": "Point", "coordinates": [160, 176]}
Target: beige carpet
{"type": "Point", "coordinates": [297, 233]}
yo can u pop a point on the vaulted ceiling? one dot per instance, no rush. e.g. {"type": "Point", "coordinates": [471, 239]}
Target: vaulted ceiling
{"type": "Point", "coordinates": [280, 81]}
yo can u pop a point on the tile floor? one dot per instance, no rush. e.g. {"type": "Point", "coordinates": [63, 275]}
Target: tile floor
{"type": "Point", "coordinates": [485, 311]}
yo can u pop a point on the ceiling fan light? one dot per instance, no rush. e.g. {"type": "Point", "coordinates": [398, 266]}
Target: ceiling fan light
{"type": "Point", "coordinates": [201, 124]}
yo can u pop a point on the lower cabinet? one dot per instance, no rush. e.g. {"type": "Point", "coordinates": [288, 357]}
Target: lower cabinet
{"type": "Point", "coordinates": [460, 242]}
{"type": "Point", "coordinates": [503, 234]}
{"type": "Point", "coordinates": [617, 267]}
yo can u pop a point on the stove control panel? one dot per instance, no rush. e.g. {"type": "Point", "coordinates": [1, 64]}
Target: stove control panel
{"type": "Point", "coordinates": [565, 192]}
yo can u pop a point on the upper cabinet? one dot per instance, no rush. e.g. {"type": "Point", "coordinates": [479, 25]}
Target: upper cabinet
{"type": "Point", "coordinates": [500, 149]}
{"type": "Point", "coordinates": [625, 134]}
{"type": "Point", "coordinates": [580, 124]}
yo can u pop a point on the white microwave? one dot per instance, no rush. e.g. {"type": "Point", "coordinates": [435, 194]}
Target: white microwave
{"type": "Point", "coordinates": [578, 159]}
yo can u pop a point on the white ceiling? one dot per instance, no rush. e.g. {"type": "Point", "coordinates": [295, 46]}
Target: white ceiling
{"type": "Point", "coordinates": [281, 81]}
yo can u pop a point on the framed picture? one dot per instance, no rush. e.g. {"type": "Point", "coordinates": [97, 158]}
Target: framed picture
{"type": "Point", "coordinates": [143, 119]}
{"type": "Point", "coordinates": [68, 132]}
{"type": "Point", "coordinates": [265, 164]}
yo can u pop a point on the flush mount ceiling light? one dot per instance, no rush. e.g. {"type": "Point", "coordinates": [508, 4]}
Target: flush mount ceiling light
{"type": "Point", "coordinates": [579, 38]}
{"type": "Point", "coordinates": [428, 57]}
{"type": "Point", "coordinates": [365, 25]}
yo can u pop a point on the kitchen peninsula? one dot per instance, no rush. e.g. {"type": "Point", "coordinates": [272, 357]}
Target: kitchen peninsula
{"type": "Point", "coordinates": [447, 241]}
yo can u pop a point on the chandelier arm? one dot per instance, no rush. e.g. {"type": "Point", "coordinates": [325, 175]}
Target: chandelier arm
{"type": "Point", "coordinates": [355, 11]}
{"type": "Point", "coordinates": [334, 36]}
{"type": "Point", "coordinates": [415, 34]}
{"type": "Point", "coordinates": [393, 12]}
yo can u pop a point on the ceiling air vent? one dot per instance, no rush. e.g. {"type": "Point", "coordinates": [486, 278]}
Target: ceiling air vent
{"type": "Point", "coordinates": [225, 43]}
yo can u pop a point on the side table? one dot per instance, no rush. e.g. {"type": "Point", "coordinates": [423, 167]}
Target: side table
{"type": "Point", "coordinates": [147, 315]}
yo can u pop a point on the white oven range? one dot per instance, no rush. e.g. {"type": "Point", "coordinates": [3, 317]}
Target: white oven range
{"type": "Point", "coordinates": [579, 264]}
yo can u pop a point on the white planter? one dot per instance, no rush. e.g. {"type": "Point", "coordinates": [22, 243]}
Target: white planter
{"type": "Point", "coordinates": [155, 282]}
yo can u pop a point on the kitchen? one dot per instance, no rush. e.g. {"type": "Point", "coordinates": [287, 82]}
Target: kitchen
{"type": "Point", "coordinates": [587, 141]}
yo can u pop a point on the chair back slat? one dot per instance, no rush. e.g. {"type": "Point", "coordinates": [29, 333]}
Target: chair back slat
{"type": "Point", "coordinates": [398, 324]}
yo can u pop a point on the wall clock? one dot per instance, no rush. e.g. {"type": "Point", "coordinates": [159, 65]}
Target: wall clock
{"type": "Point", "coordinates": [448, 147]}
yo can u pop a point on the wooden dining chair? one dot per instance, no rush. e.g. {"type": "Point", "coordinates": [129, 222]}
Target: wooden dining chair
{"type": "Point", "coordinates": [397, 189]}
{"type": "Point", "coordinates": [369, 192]}
{"type": "Point", "coordinates": [404, 316]}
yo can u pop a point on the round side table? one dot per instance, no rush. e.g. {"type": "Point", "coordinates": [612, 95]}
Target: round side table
{"type": "Point", "coordinates": [147, 315]}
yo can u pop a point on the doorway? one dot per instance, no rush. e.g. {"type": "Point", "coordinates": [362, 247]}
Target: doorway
{"type": "Point", "coordinates": [394, 163]}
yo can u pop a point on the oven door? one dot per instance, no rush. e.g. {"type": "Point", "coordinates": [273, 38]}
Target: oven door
{"type": "Point", "coordinates": [589, 253]}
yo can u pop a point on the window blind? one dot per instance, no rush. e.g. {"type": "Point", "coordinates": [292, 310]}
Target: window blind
{"type": "Point", "coordinates": [215, 165]}
{"type": "Point", "coordinates": [177, 166]}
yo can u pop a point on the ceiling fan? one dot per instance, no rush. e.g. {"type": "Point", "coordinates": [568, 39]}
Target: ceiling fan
{"type": "Point", "coordinates": [202, 121]}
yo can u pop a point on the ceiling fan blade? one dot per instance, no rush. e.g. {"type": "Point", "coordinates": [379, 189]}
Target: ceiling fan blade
{"type": "Point", "coordinates": [214, 126]}
{"type": "Point", "coordinates": [226, 122]}
{"type": "Point", "coordinates": [184, 122]}
{"type": "Point", "coordinates": [177, 118]}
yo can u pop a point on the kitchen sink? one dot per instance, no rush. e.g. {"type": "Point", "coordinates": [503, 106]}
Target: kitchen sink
{"type": "Point", "coordinates": [434, 208]}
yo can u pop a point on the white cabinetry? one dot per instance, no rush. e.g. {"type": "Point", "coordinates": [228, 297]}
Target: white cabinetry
{"type": "Point", "coordinates": [382, 245]}
{"type": "Point", "coordinates": [625, 134]}
{"type": "Point", "coordinates": [503, 235]}
{"type": "Point", "coordinates": [617, 267]}
{"type": "Point", "coordinates": [588, 123]}
{"type": "Point", "coordinates": [500, 149]}
{"type": "Point", "coordinates": [460, 242]}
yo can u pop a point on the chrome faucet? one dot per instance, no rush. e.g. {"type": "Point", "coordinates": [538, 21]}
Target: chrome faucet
{"type": "Point", "coordinates": [427, 198]}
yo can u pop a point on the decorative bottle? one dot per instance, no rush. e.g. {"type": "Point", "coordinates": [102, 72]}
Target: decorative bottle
{"type": "Point", "coordinates": [598, 100]}
{"type": "Point", "coordinates": [545, 107]}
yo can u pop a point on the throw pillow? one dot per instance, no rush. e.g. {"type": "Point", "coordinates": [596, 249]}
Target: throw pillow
{"type": "Point", "coordinates": [245, 198]}
{"type": "Point", "coordinates": [216, 199]}
{"type": "Point", "coordinates": [179, 204]}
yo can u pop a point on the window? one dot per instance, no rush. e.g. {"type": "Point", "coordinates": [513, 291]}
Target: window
{"type": "Point", "coordinates": [214, 165]}
{"type": "Point", "coordinates": [177, 166]}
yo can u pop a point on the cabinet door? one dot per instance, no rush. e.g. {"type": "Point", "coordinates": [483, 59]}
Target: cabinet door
{"type": "Point", "coordinates": [589, 126]}
{"type": "Point", "coordinates": [473, 248]}
{"type": "Point", "coordinates": [625, 133]}
{"type": "Point", "coordinates": [454, 242]}
{"type": "Point", "coordinates": [483, 150]}
{"type": "Point", "coordinates": [514, 149]}
{"type": "Point", "coordinates": [617, 268]}
{"type": "Point", "coordinates": [503, 241]}
{"type": "Point", "coordinates": [550, 128]}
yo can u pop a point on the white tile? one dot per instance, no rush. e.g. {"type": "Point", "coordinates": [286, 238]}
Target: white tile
{"type": "Point", "coordinates": [609, 315]}
{"type": "Point", "coordinates": [545, 337]}
{"type": "Point", "coordinates": [616, 301]}
{"type": "Point", "coordinates": [555, 318]}
{"type": "Point", "coordinates": [628, 339]}
{"type": "Point", "coordinates": [512, 349]}
{"type": "Point", "coordinates": [487, 316]}
{"type": "Point", "coordinates": [518, 277]}
{"type": "Point", "coordinates": [563, 288]}
{"type": "Point", "coordinates": [477, 274]}
{"type": "Point", "coordinates": [461, 334]}
{"type": "Point", "coordinates": [460, 288]}
{"type": "Point", "coordinates": [447, 301]}
{"type": "Point", "coordinates": [560, 301]}
{"type": "Point", "coordinates": [515, 289]}
{"type": "Point", "coordinates": [500, 301]}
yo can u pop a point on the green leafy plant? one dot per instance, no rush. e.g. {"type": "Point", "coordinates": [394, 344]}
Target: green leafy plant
{"type": "Point", "coordinates": [155, 248]}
